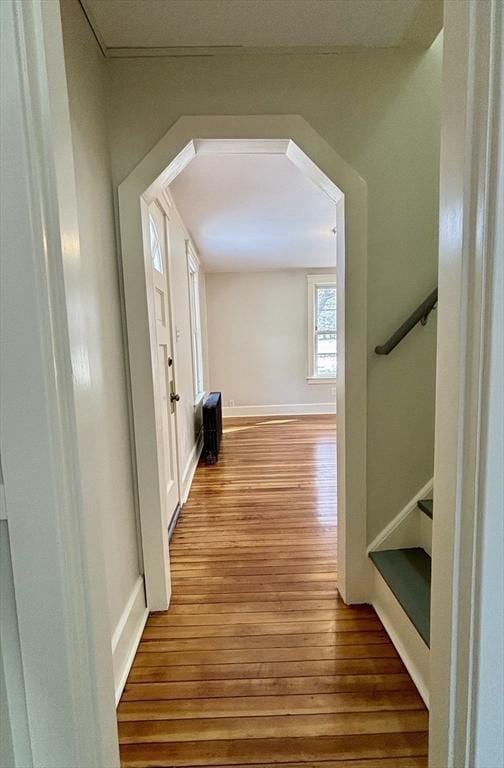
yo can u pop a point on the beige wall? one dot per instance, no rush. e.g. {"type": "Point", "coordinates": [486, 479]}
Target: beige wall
{"type": "Point", "coordinates": [107, 412]}
{"type": "Point", "coordinates": [380, 109]}
{"type": "Point", "coordinates": [257, 338]}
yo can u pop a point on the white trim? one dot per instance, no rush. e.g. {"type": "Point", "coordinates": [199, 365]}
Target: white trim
{"type": "Point", "coordinates": [317, 159]}
{"type": "Point", "coordinates": [467, 598]}
{"type": "Point", "coordinates": [242, 147]}
{"type": "Point", "coordinates": [303, 409]}
{"type": "Point", "coordinates": [125, 615]}
{"type": "Point", "coordinates": [320, 380]}
{"type": "Point", "coordinates": [192, 256]}
{"type": "Point", "coordinates": [405, 638]}
{"type": "Point", "coordinates": [170, 173]}
{"type": "Point", "coordinates": [54, 533]}
{"type": "Point", "coordinates": [315, 280]}
{"type": "Point", "coordinates": [127, 635]}
{"type": "Point", "coordinates": [312, 283]}
{"type": "Point", "coordinates": [191, 467]}
{"type": "Point", "coordinates": [308, 168]}
{"type": "Point", "coordinates": [384, 535]}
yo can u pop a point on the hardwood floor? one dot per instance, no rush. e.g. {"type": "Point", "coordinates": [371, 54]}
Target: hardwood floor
{"type": "Point", "coordinates": [258, 662]}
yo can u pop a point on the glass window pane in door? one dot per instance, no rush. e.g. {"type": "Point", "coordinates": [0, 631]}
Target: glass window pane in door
{"type": "Point", "coordinates": [155, 246]}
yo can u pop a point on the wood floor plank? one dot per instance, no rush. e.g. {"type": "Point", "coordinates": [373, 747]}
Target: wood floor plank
{"type": "Point", "coordinates": [255, 706]}
{"type": "Point", "coordinates": [278, 686]}
{"type": "Point", "coordinates": [186, 598]}
{"type": "Point", "coordinates": [158, 631]}
{"type": "Point", "coordinates": [289, 669]}
{"type": "Point", "coordinates": [321, 640]}
{"type": "Point", "coordinates": [294, 726]}
{"type": "Point", "coordinates": [384, 762]}
{"type": "Point", "coordinates": [257, 606]}
{"type": "Point", "coordinates": [275, 750]}
{"type": "Point", "coordinates": [260, 655]}
{"type": "Point", "coordinates": [258, 662]}
{"type": "Point", "coordinates": [264, 617]}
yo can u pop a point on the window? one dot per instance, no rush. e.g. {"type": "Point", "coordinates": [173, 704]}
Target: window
{"type": "Point", "coordinates": [196, 343]}
{"type": "Point", "coordinates": [155, 245]}
{"type": "Point", "coordinates": [321, 327]}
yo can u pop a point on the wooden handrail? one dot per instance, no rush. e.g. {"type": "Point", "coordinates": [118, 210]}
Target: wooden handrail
{"type": "Point", "coordinates": [420, 315]}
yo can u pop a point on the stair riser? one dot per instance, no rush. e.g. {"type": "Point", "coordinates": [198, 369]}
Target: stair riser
{"type": "Point", "coordinates": [406, 640]}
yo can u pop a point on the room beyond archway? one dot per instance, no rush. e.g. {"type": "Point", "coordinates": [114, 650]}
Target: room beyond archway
{"type": "Point", "coordinates": [147, 182]}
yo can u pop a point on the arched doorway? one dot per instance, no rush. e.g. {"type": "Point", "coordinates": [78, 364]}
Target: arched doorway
{"type": "Point", "coordinates": [292, 136]}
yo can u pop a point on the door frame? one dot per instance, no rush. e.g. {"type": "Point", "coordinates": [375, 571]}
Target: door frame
{"type": "Point", "coordinates": [467, 614]}
{"type": "Point", "coordinates": [60, 687]}
{"type": "Point", "coordinates": [292, 136]}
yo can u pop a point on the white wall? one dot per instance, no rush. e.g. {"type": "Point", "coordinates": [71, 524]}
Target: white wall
{"type": "Point", "coordinates": [106, 410]}
{"type": "Point", "coordinates": [15, 746]}
{"type": "Point", "coordinates": [257, 338]}
{"type": "Point", "coordinates": [380, 110]}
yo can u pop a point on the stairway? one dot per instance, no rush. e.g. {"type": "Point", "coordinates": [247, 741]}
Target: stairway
{"type": "Point", "coordinates": [427, 506]}
{"type": "Point", "coordinates": [403, 589]}
{"type": "Point", "coordinates": [408, 574]}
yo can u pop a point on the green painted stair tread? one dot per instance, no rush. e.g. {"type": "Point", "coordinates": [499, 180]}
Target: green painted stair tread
{"type": "Point", "coordinates": [427, 506]}
{"type": "Point", "coordinates": [408, 574]}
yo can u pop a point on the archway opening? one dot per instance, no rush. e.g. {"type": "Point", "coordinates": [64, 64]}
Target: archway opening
{"type": "Point", "coordinates": [147, 184]}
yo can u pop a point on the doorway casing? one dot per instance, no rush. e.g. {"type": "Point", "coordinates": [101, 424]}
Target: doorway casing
{"type": "Point", "coordinates": [292, 136]}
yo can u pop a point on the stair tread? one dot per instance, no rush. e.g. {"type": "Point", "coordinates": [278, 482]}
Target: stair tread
{"type": "Point", "coordinates": [408, 574]}
{"type": "Point", "coordinates": [427, 506]}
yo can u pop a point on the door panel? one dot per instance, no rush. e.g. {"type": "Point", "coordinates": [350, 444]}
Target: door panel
{"type": "Point", "coordinates": [165, 368]}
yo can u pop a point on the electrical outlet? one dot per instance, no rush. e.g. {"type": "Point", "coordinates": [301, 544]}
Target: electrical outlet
{"type": "Point", "coordinates": [333, 391]}
{"type": "Point", "coordinates": [231, 403]}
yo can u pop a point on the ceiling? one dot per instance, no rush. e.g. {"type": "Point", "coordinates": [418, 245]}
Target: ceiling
{"type": "Point", "coordinates": [251, 212]}
{"type": "Point", "coordinates": [225, 24]}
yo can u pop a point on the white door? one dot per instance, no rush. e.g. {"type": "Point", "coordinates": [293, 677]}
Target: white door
{"type": "Point", "coordinates": [164, 366]}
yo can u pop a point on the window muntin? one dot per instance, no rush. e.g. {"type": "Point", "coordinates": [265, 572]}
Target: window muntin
{"type": "Point", "coordinates": [155, 246]}
{"type": "Point", "coordinates": [325, 331]}
{"type": "Point", "coordinates": [322, 327]}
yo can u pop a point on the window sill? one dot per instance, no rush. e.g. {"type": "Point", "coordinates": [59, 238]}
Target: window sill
{"type": "Point", "coordinates": [320, 380]}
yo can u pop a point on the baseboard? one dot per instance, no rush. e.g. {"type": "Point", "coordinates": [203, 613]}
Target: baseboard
{"type": "Point", "coordinates": [303, 409]}
{"type": "Point", "coordinates": [127, 636]}
{"type": "Point", "coordinates": [406, 640]}
{"type": "Point", "coordinates": [397, 533]}
{"type": "Point", "coordinates": [190, 467]}
{"type": "Point", "coordinates": [173, 521]}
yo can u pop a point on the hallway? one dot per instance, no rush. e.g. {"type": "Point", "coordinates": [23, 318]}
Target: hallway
{"type": "Point", "coordinates": [258, 662]}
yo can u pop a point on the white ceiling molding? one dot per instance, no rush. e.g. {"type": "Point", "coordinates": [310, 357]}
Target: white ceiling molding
{"type": "Point", "coordinates": [242, 146]}
{"type": "Point", "coordinates": [313, 172]}
{"type": "Point", "coordinates": [145, 28]}
{"type": "Point", "coordinates": [176, 167]}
